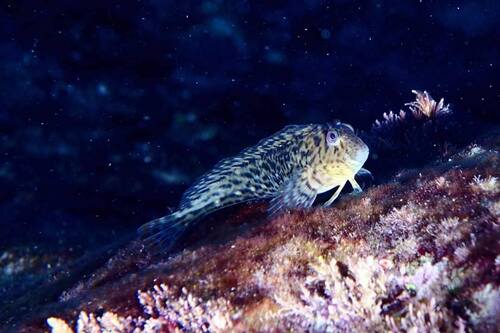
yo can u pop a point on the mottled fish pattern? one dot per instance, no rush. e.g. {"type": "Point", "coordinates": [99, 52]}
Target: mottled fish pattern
{"type": "Point", "coordinates": [289, 168]}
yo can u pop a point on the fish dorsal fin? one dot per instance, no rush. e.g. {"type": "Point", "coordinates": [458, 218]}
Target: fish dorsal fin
{"type": "Point", "coordinates": [294, 193]}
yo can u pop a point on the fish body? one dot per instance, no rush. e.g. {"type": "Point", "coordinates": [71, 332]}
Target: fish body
{"type": "Point", "coordinates": [288, 168]}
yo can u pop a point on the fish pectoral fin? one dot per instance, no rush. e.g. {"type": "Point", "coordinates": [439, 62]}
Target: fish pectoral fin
{"type": "Point", "coordinates": [355, 186]}
{"type": "Point", "coordinates": [365, 173]}
{"type": "Point", "coordinates": [295, 193]}
{"type": "Point", "coordinates": [335, 195]}
{"type": "Point", "coordinates": [355, 190]}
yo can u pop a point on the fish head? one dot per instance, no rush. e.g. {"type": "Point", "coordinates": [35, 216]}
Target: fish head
{"type": "Point", "coordinates": [346, 152]}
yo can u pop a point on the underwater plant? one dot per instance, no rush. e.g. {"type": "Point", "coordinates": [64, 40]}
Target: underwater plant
{"type": "Point", "coordinates": [423, 106]}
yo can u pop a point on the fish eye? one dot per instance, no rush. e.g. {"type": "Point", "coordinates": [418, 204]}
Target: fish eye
{"type": "Point", "coordinates": [331, 137]}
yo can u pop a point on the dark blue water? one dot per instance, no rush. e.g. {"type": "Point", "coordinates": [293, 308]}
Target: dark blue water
{"type": "Point", "coordinates": [110, 109]}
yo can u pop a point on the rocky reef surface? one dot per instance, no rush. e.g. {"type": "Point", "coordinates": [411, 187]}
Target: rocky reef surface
{"type": "Point", "coordinates": [419, 251]}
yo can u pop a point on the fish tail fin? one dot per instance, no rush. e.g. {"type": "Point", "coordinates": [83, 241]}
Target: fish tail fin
{"type": "Point", "coordinates": [160, 235]}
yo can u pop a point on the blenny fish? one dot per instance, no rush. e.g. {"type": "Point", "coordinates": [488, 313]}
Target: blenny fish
{"type": "Point", "coordinates": [290, 168]}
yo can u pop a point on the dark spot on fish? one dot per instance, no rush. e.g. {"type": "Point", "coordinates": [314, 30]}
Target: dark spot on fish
{"type": "Point", "coordinates": [308, 186]}
{"type": "Point", "coordinates": [236, 181]}
{"type": "Point", "coordinates": [317, 140]}
{"type": "Point", "coordinates": [253, 170]}
{"type": "Point", "coordinates": [251, 160]}
{"type": "Point", "coordinates": [246, 175]}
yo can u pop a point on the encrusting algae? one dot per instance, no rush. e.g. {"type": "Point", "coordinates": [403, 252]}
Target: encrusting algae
{"type": "Point", "coordinates": [290, 168]}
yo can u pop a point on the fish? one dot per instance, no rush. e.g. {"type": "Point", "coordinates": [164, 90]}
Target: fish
{"type": "Point", "coordinates": [289, 169]}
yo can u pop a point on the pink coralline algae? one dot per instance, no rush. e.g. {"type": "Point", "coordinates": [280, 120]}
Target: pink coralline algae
{"type": "Point", "coordinates": [163, 311]}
